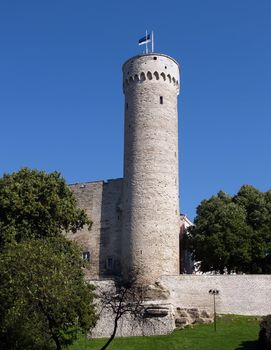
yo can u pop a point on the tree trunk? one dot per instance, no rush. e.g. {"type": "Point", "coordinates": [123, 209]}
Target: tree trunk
{"type": "Point", "coordinates": [112, 335]}
{"type": "Point", "coordinates": [56, 340]}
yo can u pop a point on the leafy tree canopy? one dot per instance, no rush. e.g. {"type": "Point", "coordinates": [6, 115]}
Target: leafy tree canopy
{"type": "Point", "coordinates": [44, 298]}
{"type": "Point", "coordinates": [35, 204]}
{"type": "Point", "coordinates": [233, 233]}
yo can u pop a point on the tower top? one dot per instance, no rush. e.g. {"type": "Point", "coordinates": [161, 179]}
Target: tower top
{"type": "Point", "coordinates": [152, 67]}
{"type": "Point", "coordinates": [152, 54]}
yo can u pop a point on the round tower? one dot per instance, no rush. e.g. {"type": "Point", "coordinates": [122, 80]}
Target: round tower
{"type": "Point", "coordinates": [150, 189]}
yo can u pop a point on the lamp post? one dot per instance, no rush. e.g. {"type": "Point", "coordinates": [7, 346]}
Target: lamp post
{"type": "Point", "coordinates": [214, 292]}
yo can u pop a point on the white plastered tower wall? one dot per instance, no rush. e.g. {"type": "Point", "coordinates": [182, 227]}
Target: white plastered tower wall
{"type": "Point", "coordinates": [150, 237]}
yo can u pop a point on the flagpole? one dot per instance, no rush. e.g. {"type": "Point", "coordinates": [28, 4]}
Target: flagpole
{"type": "Point", "coordinates": [152, 41]}
{"type": "Point", "coordinates": [146, 41]}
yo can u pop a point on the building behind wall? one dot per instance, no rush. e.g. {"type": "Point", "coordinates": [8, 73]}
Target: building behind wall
{"type": "Point", "coordinates": [102, 201]}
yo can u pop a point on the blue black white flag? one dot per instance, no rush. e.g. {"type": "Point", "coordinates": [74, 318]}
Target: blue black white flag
{"type": "Point", "coordinates": [146, 39]}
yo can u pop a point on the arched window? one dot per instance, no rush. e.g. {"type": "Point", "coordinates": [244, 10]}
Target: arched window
{"type": "Point", "coordinates": [156, 75]}
{"type": "Point", "coordinates": [149, 75]}
{"type": "Point", "coordinates": [131, 79]}
{"type": "Point", "coordinates": [142, 76]}
{"type": "Point", "coordinates": [174, 81]}
{"type": "Point", "coordinates": [169, 78]}
{"type": "Point", "coordinates": [136, 78]}
{"type": "Point", "coordinates": [163, 76]}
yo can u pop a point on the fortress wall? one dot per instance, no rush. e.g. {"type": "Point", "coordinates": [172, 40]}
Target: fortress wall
{"type": "Point", "coordinates": [102, 202]}
{"type": "Point", "coordinates": [129, 325]}
{"type": "Point", "coordinates": [238, 294]}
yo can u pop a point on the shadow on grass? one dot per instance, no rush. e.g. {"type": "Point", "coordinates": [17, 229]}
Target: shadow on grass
{"type": "Point", "coordinates": [248, 345]}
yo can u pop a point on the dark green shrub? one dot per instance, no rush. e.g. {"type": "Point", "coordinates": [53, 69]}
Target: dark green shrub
{"type": "Point", "coordinates": [265, 333]}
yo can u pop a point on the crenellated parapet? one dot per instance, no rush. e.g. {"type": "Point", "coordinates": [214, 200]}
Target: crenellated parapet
{"type": "Point", "coordinates": [140, 78]}
{"type": "Point", "coordinates": [151, 68]}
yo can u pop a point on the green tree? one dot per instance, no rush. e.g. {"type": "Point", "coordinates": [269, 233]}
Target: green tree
{"type": "Point", "coordinates": [45, 300]}
{"type": "Point", "coordinates": [35, 204]}
{"type": "Point", "coordinates": [219, 238]}
{"type": "Point", "coordinates": [257, 206]}
{"type": "Point", "coordinates": [233, 233]}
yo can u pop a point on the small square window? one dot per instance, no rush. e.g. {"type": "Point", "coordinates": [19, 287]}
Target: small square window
{"type": "Point", "coordinates": [109, 263]}
{"type": "Point", "coordinates": [86, 256]}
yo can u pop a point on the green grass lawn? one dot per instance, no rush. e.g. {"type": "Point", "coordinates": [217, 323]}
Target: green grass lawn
{"type": "Point", "coordinates": [233, 333]}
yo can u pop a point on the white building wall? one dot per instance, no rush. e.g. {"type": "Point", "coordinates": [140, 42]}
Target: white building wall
{"type": "Point", "coordinates": [238, 294]}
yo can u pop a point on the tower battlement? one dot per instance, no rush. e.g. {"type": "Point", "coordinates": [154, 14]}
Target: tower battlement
{"type": "Point", "coordinates": [152, 67]}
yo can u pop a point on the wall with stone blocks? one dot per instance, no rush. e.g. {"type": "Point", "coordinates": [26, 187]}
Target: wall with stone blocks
{"type": "Point", "coordinates": [102, 202]}
{"type": "Point", "coordinates": [155, 324]}
{"type": "Point", "coordinates": [238, 294]}
{"type": "Point", "coordinates": [189, 301]}
{"type": "Point", "coordinates": [129, 326]}
{"type": "Point", "coordinates": [150, 194]}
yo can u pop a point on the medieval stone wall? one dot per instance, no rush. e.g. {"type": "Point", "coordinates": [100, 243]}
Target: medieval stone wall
{"type": "Point", "coordinates": [238, 294]}
{"type": "Point", "coordinates": [131, 325]}
{"type": "Point", "coordinates": [188, 301]}
{"type": "Point", "coordinates": [102, 244]}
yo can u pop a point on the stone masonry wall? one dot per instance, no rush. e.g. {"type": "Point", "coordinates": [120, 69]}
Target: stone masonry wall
{"type": "Point", "coordinates": [188, 302]}
{"type": "Point", "coordinates": [157, 319]}
{"type": "Point", "coordinates": [150, 192]}
{"type": "Point", "coordinates": [102, 202]}
{"type": "Point", "coordinates": [238, 294]}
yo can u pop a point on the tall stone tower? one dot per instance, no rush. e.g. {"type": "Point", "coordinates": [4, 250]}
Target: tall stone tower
{"type": "Point", "coordinates": [150, 242]}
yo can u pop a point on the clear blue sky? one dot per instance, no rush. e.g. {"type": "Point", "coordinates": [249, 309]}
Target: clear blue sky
{"type": "Point", "coordinates": [61, 102]}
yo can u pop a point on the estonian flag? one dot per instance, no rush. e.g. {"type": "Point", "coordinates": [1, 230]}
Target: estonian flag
{"type": "Point", "coordinates": [144, 40]}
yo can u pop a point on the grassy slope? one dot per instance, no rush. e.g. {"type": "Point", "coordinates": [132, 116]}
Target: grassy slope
{"type": "Point", "coordinates": [233, 333]}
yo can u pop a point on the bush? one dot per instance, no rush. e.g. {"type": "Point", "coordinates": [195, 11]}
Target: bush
{"type": "Point", "coordinates": [265, 333]}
